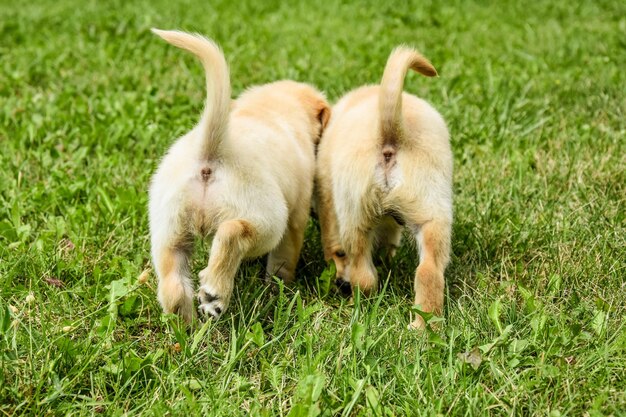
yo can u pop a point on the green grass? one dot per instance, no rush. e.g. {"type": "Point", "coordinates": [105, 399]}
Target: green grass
{"type": "Point", "coordinates": [536, 293]}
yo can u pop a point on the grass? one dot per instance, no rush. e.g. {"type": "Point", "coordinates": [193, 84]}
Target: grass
{"type": "Point", "coordinates": [535, 303]}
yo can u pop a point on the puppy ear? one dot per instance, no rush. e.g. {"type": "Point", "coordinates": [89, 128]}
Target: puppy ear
{"type": "Point", "coordinates": [323, 114]}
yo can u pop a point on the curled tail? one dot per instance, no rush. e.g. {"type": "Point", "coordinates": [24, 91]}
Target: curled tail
{"type": "Point", "coordinates": [214, 122]}
{"type": "Point", "coordinates": [390, 94]}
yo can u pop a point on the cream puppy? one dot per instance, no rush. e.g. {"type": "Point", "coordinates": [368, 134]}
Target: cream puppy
{"type": "Point", "coordinates": [385, 162]}
{"type": "Point", "coordinates": [243, 175]}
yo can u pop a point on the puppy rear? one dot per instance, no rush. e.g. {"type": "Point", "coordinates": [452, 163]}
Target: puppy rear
{"type": "Point", "coordinates": [243, 177]}
{"type": "Point", "coordinates": [183, 175]}
{"type": "Point", "coordinates": [390, 95]}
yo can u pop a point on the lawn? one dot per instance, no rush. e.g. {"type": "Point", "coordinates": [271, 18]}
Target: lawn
{"type": "Point", "coordinates": [534, 321]}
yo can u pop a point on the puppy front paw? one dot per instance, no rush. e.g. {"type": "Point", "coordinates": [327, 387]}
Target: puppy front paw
{"type": "Point", "coordinates": [211, 304]}
{"type": "Point", "coordinates": [418, 324]}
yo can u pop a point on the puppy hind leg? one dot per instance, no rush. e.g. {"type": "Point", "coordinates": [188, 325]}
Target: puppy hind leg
{"type": "Point", "coordinates": [433, 239]}
{"type": "Point", "coordinates": [175, 290]}
{"type": "Point", "coordinates": [283, 259]}
{"type": "Point", "coordinates": [233, 240]}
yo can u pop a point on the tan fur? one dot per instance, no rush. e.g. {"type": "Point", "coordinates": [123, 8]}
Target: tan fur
{"type": "Point", "coordinates": [243, 175]}
{"type": "Point", "coordinates": [385, 156]}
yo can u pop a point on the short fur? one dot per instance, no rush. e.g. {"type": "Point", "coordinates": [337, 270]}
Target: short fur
{"type": "Point", "coordinates": [243, 175]}
{"type": "Point", "coordinates": [385, 161]}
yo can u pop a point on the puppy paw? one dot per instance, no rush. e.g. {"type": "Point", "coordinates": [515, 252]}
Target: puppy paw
{"type": "Point", "coordinates": [211, 304]}
{"type": "Point", "coordinates": [278, 268]}
{"type": "Point", "coordinates": [177, 298]}
{"type": "Point", "coordinates": [391, 252]}
{"type": "Point", "coordinates": [418, 324]}
{"type": "Point", "coordinates": [285, 274]}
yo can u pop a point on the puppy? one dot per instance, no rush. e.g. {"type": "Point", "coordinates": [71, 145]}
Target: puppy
{"type": "Point", "coordinates": [385, 162]}
{"type": "Point", "coordinates": [243, 176]}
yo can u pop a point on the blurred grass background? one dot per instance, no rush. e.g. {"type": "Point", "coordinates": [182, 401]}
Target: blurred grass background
{"type": "Point", "coordinates": [534, 98]}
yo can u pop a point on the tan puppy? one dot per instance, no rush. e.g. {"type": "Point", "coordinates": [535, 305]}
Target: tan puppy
{"type": "Point", "coordinates": [385, 161]}
{"type": "Point", "coordinates": [243, 175]}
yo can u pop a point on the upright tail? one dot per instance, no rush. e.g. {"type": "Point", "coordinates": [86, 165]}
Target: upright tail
{"type": "Point", "coordinates": [214, 122]}
{"type": "Point", "coordinates": [390, 96]}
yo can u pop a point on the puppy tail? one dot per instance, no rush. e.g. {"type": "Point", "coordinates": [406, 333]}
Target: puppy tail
{"type": "Point", "coordinates": [214, 122]}
{"type": "Point", "coordinates": [390, 96]}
